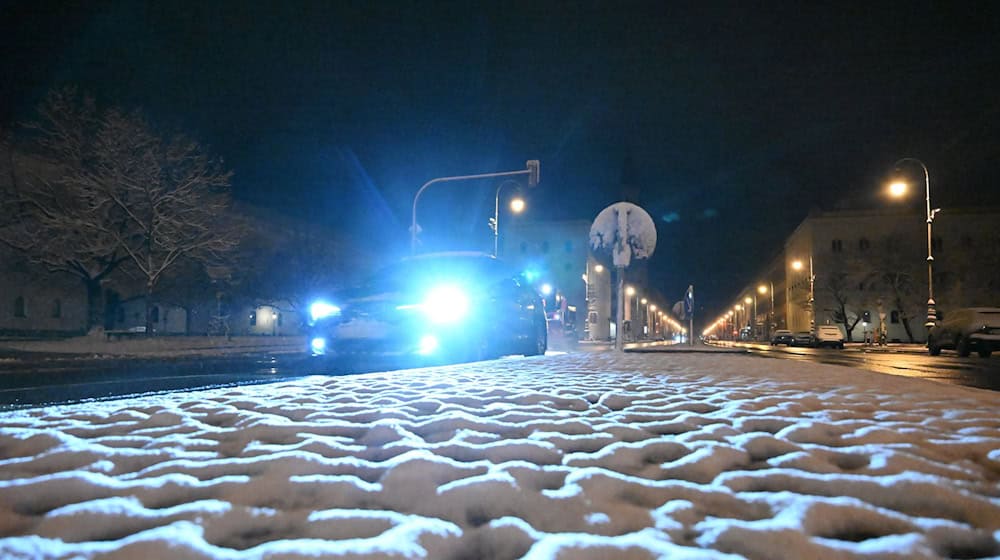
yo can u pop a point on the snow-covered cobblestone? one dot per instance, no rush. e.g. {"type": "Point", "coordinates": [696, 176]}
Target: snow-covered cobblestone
{"type": "Point", "coordinates": [594, 455]}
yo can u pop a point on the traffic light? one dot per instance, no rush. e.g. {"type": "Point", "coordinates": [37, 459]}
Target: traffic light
{"type": "Point", "coordinates": [534, 172]}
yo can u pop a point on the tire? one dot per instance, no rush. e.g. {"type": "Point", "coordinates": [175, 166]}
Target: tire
{"type": "Point", "coordinates": [962, 347]}
{"type": "Point", "coordinates": [840, 346]}
{"type": "Point", "coordinates": [933, 349]}
{"type": "Point", "coordinates": [540, 342]}
{"type": "Point", "coordinates": [985, 352]}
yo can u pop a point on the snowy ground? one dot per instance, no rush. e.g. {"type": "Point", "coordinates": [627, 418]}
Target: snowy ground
{"type": "Point", "coordinates": [575, 456]}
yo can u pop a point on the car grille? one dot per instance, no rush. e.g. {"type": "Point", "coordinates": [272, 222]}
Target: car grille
{"type": "Point", "coordinates": [375, 310]}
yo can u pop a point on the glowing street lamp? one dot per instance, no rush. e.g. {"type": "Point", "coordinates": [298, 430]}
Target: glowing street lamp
{"type": "Point", "coordinates": [798, 266]}
{"type": "Point", "coordinates": [765, 290]}
{"type": "Point", "coordinates": [897, 190]}
{"type": "Point", "coordinates": [516, 206]}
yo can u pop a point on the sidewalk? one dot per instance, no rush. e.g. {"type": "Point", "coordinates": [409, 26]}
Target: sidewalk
{"type": "Point", "coordinates": [578, 455]}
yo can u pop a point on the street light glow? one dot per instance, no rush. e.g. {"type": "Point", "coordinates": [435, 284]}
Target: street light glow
{"type": "Point", "coordinates": [629, 291]}
{"type": "Point", "coordinates": [748, 300]}
{"type": "Point", "coordinates": [598, 268]}
{"type": "Point", "coordinates": [897, 189]}
{"type": "Point", "coordinates": [643, 301]}
{"type": "Point", "coordinates": [797, 265]}
{"type": "Point", "coordinates": [762, 289]}
{"type": "Point", "coordinates": [517, 205]}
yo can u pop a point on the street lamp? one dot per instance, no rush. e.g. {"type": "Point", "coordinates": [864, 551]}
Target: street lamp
{"type": "Point", "coordinates": [531, 170]}
{"type": "Point", "coordinates": [797, 265]}
{"type": "Point", "coordinates": [752, 323]}
{"type": "Point", "coordinates": [516, 206]}
{"type": "Point", "coordinates": [769, 289]}
{"type": "Point", "coordinates": [898, 189]}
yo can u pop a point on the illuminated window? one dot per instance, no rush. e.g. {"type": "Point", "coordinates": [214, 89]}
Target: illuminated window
{"type": "Point", "coordinates": [19, 307]}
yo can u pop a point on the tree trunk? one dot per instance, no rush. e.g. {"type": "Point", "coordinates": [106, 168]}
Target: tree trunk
{"type": "Point", "coordinates": [95, 310]}
{"type": "Point", "coordinates": [149, 309]}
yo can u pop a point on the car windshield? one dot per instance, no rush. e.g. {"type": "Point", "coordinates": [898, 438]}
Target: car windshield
{"type": "Point", "coordinates": [421, 271]}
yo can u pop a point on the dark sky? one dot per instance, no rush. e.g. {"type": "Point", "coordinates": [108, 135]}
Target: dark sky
{"type": "Point", "coordinates": [737, 117]}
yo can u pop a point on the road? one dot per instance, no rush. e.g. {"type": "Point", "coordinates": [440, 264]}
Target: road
{"type": "Point", "coordinates": [25, 383]}
{"type": "Point", "coordinates": [973, 371]}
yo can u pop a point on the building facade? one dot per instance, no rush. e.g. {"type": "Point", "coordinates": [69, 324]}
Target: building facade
{"type": "Point", "coordinates": [865, 270]}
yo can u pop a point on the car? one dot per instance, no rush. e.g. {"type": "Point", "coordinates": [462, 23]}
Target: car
{"type": "Point", "coordinates": [432, 309]}
{"type": "Point", "coordinates": [965, 330]}
{"type": "Point", "coordinates": [828, 336]}
{"type": "Point", "coordinates": [782, 336]}
{"type": "Point", "coordinates": [802, 338]}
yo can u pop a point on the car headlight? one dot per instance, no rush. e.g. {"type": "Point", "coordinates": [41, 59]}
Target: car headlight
{"type": "Point", "coordinates": [446, 304]}
{"type": "Point", "coordinates": [322, 310]}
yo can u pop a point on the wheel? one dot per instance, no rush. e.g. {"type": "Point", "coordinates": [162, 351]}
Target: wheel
{"type": "Point", "coordinates": [933, 349]}
{"type": "Point", "coordinates": [540, 342]}
{"type": "Point", "coordinates": [840, 345]}
{"type": "Point", "coordinates": [985, 352]}
{"type": "Point", "coordinates": [962, 347]}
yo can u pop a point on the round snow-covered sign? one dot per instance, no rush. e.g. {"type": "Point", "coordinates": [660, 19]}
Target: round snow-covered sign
{"type": "Point", "coordinates": [625, 231]}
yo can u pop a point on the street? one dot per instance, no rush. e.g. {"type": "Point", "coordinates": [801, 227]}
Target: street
{"type": "Point", "coordinates": [33, 382]}
{"type": "Point", "coordinates": [946, 368]}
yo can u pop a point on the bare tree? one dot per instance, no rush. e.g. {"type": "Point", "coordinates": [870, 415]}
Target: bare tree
{"type": "Point", "coordinates": [170, 199]}
{"type": "Point", "coordinates": [119, 192]}
{"type": "Point", "coordinates": [48, 194]}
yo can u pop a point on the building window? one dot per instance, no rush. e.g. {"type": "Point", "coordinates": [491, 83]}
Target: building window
{"type": "Point", "coordinates": [120, 314]}
{"type": "Point", "coordinates": [937, 244]}
{"type": "Point", "coordinates": [524, 247]}
{"type": "Point", "coordinates": [569, 246]}
{"type": "Point", "coordinates": [19, 307]}
{"type": "Point", "coordinates": [154, 315]}
{"type": "Point", "coordinates": [166, 315]}
{"type": "Point", "coordinates": [57, 308]}
{"type": "Point", "coordinates": [545, 246]}
{"type": "Point", "coordinates": [253, 318]}
{"type": "Point", "coordinates": [894, 317]}
{"type": "Point", "coordinates": [863, 244]}
{"type": "Point", "coordinates": [281, 318]}
{"type": "Point", "coordinates": [837, 245]}
{"type": "Point", "coordinates": [861, 286]}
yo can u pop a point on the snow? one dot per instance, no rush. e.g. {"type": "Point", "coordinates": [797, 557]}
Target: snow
{"type": "Point", "coordinates": [590, 455]}
{"type": "Point", "coordinates": [624, 230]}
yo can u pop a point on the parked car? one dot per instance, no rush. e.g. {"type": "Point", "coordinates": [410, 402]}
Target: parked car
{"type": "Point", "coordinates": [802, 338]}
{"type": "Point", "coordinates": [965, 330]}
{"type": "Point", "coordinates": [782, 336]}
{"type": "Point", "coordinates": [434, 308]}
{"type": "Point", "coordinates": [828, 336]}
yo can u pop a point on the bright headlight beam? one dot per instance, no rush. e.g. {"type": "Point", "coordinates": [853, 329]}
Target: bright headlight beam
{"type": "Point", "coordinates": [446, 304]}
{"type": "Point", "coordinates": [322, 309]}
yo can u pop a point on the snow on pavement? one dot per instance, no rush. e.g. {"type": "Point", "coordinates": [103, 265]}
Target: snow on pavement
{"type": "Point", "coordinates": [571, 456]}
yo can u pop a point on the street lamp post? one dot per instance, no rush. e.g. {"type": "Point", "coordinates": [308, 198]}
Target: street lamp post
{"type": "Point", "coordinates": [516, 206]}
{"type": "Point", "coordinates": [797, 265]}
{"type": "Point", "coordinates": [752, 323]}
{"type": "Point", "coordinates": [897, 189]}
{"type": "Point", "coordinates": [532, 171]}
{"type": "Point", "coordinates": [769, 289]}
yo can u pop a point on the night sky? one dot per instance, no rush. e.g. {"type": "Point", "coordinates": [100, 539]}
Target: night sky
{"type": "Point", "coordinates": [732, 119]}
